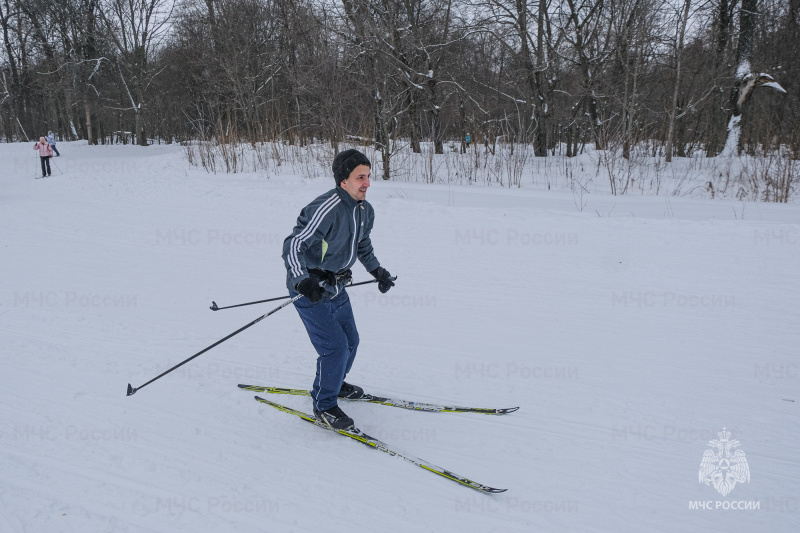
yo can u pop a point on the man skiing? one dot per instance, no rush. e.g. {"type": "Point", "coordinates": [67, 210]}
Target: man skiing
{"type": "Point", "coordinates": [331, 233]}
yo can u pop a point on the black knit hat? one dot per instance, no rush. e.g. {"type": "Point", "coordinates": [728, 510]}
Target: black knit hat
{"type": "Point", "coordinates": [345, 162]}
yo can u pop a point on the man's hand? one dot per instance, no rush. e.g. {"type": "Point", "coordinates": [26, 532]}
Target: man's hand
{"type": "Point", "coordinates": [346, 277]}
{"type": "Point", "coordinates": [384, 279]}
{"type": "Point", "coordinates": [310, 288]}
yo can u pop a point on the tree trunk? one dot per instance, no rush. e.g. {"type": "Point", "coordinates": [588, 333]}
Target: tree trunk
{"type": "Point", "coordinates": [462, 114]}
{"type": "Point", "coordinates": [88, 114]}
{"type": "Point", "coordinates": [141, 135]}
{"type": "Point", "coordinates": [675, 92]}
{"type": "Point", "coordinates": [542, 109]}
{"type": "Point", "coordinates": [741, 92]}
{"type": "Point", "coordinates": [436, 120]}
{"type": "Point", "coordinates": [381, 134]}
{"type": "Point", "coordinates": [568, 139]}
{"type": "Point", "coordinates": [722, 28]}
{"type": "Point", "coordinates": [746, 79]}
{"type": "Point", "coordinates": [413, 120]}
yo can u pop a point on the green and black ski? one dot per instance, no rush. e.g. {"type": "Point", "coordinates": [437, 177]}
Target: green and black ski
{"type": "Point", "coordinates": [404, 404]}
{"type": "Point", "coordinates": [372, 442]}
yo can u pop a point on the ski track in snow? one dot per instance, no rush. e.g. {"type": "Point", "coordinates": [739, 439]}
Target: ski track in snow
{"type": "Point", "coordinates": [629, 334]}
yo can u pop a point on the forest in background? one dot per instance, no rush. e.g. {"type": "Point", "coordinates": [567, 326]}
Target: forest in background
{"type": "Point", "coordinates": [553, 74]}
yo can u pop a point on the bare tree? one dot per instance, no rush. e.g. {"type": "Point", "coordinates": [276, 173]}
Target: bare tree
{"type": "Point", "coordinates": [682, 21]}
{"type": "Point", "coordinates": [398, 72]}
{"type": "Point", "coordinates": [633, 24]}
{"type": "Point", "coordinates": [136, 27]}
{"type": "Point", "coordinates": [523, 28]}
{"type": "Point", "coordinates": [747, 80]}
{"type": "Point", "coordinates": [585, 29]}
{"type": "Point", "coordinates": [12, 77]}
{"type": "Point", "coordinates": [68, 36]}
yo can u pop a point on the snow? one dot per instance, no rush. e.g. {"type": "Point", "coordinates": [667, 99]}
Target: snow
{"type": "Point", "coordinates": [743, 69]}
{"type": "Point", "coordinates": [775, 85]}
{"type": "Point", "coordinates": [629, 333]}
{"type": "Point", "coordinates": [732, 140]}
{"type": "Point", "coordinates": [771, 83]}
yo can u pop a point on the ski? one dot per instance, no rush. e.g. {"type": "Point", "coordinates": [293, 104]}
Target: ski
{"type": "Point", "coordinates": [372, 442]}
{"type": "Point", "coordinates": [404, 404]}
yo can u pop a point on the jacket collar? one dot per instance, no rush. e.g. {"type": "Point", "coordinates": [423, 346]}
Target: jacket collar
{"type": "Point", "coordinates": [348, 200]}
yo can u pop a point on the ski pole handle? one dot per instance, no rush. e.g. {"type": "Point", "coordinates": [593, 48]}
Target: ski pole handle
{"type": "Point", "coordinates": [215, 307]}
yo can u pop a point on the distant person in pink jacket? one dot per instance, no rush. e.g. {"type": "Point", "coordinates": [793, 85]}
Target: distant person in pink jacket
{"type": "Point", "coordinates": [45, 153]}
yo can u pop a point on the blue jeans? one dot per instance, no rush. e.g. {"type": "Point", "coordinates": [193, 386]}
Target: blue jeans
{"type": "Point", "coordinates": [45, 165]}
{"type": "Point", "coordinates": [332, 329]}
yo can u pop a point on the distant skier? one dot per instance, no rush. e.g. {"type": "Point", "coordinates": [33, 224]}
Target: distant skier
{"type": "Point", "coordinates": [45, 153]}
{"type": "Point", "coordinates": [51, 140]}
{"type": "Point", "coordinates": [331, 232]}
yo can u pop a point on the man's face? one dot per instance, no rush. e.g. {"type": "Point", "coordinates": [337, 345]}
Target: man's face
{"type": "Point", "coordinates": [357, 183]}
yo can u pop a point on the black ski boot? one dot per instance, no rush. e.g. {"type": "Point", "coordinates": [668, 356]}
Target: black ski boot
{"type": "Point", "coordinates": [350, 392]}
{"type": "Point", "coordinates": [334, 418]}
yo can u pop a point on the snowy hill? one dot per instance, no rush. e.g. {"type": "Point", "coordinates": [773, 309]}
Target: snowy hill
{"type": "Point", "coordinates": [629, 334]}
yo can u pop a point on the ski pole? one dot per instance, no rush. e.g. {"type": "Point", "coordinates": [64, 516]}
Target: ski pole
{"type": "Point", "coordinates": [57, 167]}
{"type": "Point", "coordinates": [214, 306]}
{"type": "Point", "coordinates": [132, 390]}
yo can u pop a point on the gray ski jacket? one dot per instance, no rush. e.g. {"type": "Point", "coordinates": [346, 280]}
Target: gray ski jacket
{"type": "Point", "coordinates": [331, 233]}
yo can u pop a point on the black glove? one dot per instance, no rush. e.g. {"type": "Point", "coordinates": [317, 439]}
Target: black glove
{"type": "Point", "coordinates": [323, 275]}
{"type": "Point", "coordinates": [384, 279]}
{"type": "Point", "coordinates": [310, 288]}
{"type": "Point", "coordinates": [345, 277]}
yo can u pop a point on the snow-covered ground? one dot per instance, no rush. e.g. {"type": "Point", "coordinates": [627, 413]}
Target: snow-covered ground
{"type": "Point", "coordinates": [630, 333]}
